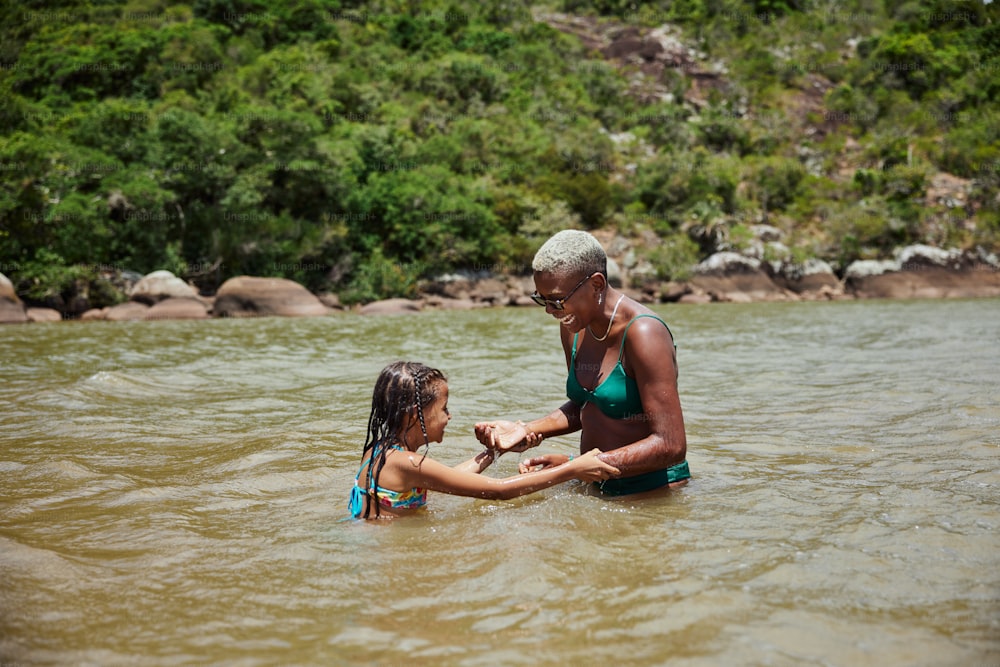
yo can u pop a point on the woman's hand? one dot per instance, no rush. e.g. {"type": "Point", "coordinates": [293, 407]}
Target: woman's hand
{"type": "Point", "coordinates": [506, 436]}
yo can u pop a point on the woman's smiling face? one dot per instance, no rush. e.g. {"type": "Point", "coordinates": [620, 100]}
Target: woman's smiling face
{"type": "Point", "coordinates": [569, 292]}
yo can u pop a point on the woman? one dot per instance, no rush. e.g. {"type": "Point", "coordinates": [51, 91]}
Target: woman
{"type": "Point", "coordinates": [622, 380]}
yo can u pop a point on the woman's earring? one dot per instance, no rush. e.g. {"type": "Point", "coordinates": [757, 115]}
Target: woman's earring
{"type": "Point", "coordinates": [600, 299]}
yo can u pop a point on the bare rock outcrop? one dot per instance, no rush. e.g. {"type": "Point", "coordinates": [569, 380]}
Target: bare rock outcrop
{"type": "Point", "coordinates": [813, 279]}
{"type": "Point", "coordinates": [924, 272]}
{"type": "Point", "coordinates": [729, 276]}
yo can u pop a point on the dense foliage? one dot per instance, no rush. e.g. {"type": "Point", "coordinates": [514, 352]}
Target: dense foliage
{"type": "Point", "coordinates": [358, 146]}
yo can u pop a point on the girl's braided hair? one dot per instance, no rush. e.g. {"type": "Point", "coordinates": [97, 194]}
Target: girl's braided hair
{"type": "Point", "coordinates": [400, 387]}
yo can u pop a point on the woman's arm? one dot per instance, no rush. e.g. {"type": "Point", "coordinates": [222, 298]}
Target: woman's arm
{"type": "Point", "coordinates": [429, 474]}
{"type": "Point", "coordinates": [650, 356]}
{"type": "Point", "coordinates": [506, 436]}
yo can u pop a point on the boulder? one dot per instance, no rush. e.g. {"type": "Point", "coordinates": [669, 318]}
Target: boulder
{"type": "Point", "coordinates": [809, 279]}
{"type": "Point", "coordinates": [695, 297]}
{"type": "Point", "coordinates": [391, 307]}
{"type": "Point", "coordinates": [247, 296]}
{"type": "Point", "coordinates": [924, 272]}
{"type": "Point", "coordinates": [12, 313]}
{"type": "Point", "coordinates": [159, 285]}
{"type": "Point", "coordinates": [44, 315]}
{"type": "Point", "coordinates": [729, 276]}
{"type": "Point", "coordinates": [673, 291]}
{"type": "Point", "coordinates": [11, 309]}
{"type": "Point", "coordinates": [130, 310]}
{"type": "Point", "coordinates": [330, 300]}
{"type": "Point", "coordinates": [615, 276]}
{"type": "Point", "coordinates": [7, 290]}
{"type": "Point", "coordinates": [444, 303]}
{"type": "Point", "coordinates": [94, 314]}
{"type": "Point", "coordinates": [454, 286]}
{"type": "Point", "coordinates": [490, 290]}
{"type": "Point", "coordinates": [177, 308]}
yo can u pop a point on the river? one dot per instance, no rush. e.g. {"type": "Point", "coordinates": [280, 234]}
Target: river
{"type": "Point", "coordinates": [175, 493]}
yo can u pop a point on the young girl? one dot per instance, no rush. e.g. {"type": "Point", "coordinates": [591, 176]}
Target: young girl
{"type": "Point", "coordinates": [410, 410]}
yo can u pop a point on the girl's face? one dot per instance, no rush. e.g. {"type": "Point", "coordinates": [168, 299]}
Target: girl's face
{"type": "Point", "coordinates": [436, 415]}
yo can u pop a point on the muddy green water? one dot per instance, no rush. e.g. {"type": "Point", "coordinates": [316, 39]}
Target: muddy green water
{"type": "Point", "coordinates": [174, 493]}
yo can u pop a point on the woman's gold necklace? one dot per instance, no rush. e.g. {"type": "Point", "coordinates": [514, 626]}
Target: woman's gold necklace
{"type": "Point", "coordinates": [610, 322]}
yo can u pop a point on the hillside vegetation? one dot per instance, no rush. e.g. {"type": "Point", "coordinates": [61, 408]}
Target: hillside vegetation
{"type": "Point", "coordinates": [359, 146]}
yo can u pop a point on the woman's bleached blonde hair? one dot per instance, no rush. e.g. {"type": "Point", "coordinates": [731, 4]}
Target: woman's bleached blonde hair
{"type": "Point", "coordinates": [572, 253]}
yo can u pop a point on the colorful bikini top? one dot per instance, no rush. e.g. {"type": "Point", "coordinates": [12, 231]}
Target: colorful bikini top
{"type": "Point", "coordinates": [618, 395]}
{"type": "Point", "coordinates": [410, 499]}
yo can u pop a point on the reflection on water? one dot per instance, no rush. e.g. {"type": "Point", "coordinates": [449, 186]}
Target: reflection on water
{"type": "Point", "coordinates": [175, 492]}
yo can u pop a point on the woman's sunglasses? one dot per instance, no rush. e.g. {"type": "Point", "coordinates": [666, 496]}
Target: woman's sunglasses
{"type": "Point", "coordinates": [557, 304]}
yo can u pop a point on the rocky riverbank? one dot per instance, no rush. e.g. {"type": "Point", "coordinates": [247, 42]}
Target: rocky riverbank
{"type": "Point", "coordinates": [725, 277]}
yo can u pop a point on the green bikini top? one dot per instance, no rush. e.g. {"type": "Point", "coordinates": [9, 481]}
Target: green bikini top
{"type": "Point", "coordinates": [618, 395]}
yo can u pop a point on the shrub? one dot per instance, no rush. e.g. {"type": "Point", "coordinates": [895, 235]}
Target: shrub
{"type": "Point", "coordinates": [674, 257]}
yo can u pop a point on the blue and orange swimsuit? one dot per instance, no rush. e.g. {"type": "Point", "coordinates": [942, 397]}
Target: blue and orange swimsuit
{"type": "Point", "coordinates": [409, 499]}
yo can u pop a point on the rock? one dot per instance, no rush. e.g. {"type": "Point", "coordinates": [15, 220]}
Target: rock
{"type": "Point", "coordinates": [330, 300]}
{"type": "Point", "coordinates": [924, 272]}
{"type": "Point", "coordinates": [452, 286]}
{"type": "Point", "coordinates": [177, 308]}
{"type": "Point", "coordinates": [695, 297]}
{"type": "Point", "coordinates": [728, 276]}
{"type": "Point", "coordinates": [130, 310]}
{"type": "Point", "coordinates": [159, 285]}
{"type": "Point", "coordinates": [11, 312]}
{"type": "Point", "coordinates": [94, 314]}
{"type": "Point", "coordinates": [674, 291]}
{"type": "Point", "coordinates": [947, 190]}
{"type": "Point", "coordinates": [490, 290]}
{"type": "Point", "coordinates": [727, 263]}
{"type": "Point", "coordinates": [11, 309]}
{"type": "Point", "coordinates": [614, 273]}
{"type": "Point", "coordinates": [7, 290]}
{"type": "Point", "coordinates": [44, 315]}
{"type": "Point", "coordinates": [391, 307]}
{"type": "Point", "coordinates": [812, 276]}
{"type": "Point", "coordinates": [247, 296]}
{"type": "Point", "coordinates": [444, 303]}
{"type": "Point", "coordinates": [767, 233]}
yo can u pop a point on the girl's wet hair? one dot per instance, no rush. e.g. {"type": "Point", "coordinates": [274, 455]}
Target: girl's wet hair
{"type": "Point", "coordinates": [400, 387]}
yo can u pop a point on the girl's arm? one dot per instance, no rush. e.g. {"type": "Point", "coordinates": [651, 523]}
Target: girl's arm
{"type": "Point", "coordinates": [477, 463]}
{"type": "Point", "coordinates": [429, 474]}
{"type": "Point", "coordinates": [483, 459]}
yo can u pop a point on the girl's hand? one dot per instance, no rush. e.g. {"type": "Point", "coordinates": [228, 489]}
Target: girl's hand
{"type": "Point", "coordinates": [506, 436]}
{"type": "Point", "coordinates": [589, 468]}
